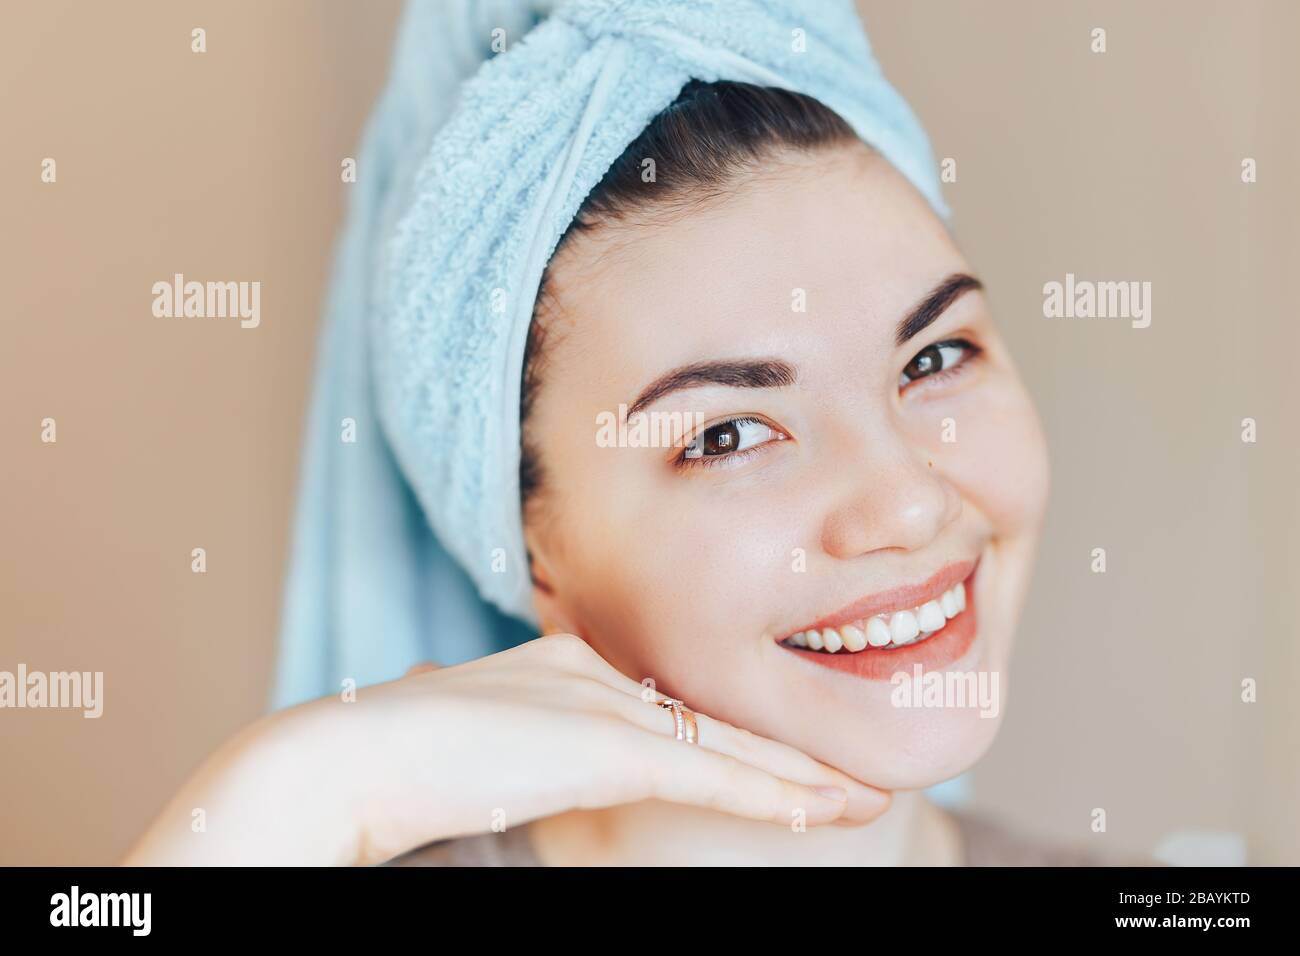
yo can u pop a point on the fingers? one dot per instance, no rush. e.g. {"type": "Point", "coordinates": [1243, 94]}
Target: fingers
{"type": "Point", "coordinates": [670, 770]}
{"type": "Point", "coordinates": [864, 803]}
{"type": "Point", "coordinates": [780, 760]}
{"type": "Point", "coordinates": [780, 765]}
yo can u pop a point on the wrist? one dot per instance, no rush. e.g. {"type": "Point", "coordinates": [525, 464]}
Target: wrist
{"type": "Point", "coordinates": [295, 780]}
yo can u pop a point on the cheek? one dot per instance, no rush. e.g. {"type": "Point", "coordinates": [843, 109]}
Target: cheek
{"type": "Point", "coordinates": [999, 460]}
{"type": "Point", "coordinates": [661, 595]}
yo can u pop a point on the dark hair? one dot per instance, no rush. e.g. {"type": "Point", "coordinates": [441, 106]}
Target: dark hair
{"type": "Point", "coordinates": [702, 143]}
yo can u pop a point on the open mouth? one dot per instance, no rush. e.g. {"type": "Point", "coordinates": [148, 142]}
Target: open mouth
{"type": "Point", "coordinates": [908, 626]}
{"type": "Point", "coordinates": [931, 624]}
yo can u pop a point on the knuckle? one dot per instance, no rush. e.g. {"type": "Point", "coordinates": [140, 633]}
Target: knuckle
{"type": "Point", "coordinates": [565, 648]}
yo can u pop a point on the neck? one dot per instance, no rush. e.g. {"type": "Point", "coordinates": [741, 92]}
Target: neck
{"type": "Point", "coordinates": [911, 833]}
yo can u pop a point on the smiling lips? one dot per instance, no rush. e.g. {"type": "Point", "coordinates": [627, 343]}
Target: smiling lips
{"type": "Point", "coordinates": [931, 624]}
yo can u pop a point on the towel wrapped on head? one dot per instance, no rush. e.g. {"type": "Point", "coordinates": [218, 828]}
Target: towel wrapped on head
{"type": "Point", "coordinates": [409, 540]}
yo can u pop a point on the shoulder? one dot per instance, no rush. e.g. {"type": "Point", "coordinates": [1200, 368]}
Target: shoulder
{"type": "Point", "coordinates": [986, 842]}
{"type": "Point", "coordinates": [509, 848]}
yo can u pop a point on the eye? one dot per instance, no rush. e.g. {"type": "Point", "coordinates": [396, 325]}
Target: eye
{"type": "Point", "coordinates": [728, 439]}
{"type": "Point", "coordinates": [934, 359]}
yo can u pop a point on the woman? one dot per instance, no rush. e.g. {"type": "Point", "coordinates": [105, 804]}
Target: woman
{"type": "Point", "coordinates": [844, 494]}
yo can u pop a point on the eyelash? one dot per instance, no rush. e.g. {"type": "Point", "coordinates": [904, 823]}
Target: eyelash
{"type": "Point", "coordinates": [970, 349]}
{"type": "Point", "coordinates": [731, 458]}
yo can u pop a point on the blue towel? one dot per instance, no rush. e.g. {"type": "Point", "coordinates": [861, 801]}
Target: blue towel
{"type": "Point", "coordinates": [408, 540]}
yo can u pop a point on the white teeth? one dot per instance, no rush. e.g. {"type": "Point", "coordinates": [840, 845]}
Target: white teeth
{"type": "Point", "coordinates": [896, 630]}
{"type": "Point", "coordinates": [878, 632]}
{"type": "Point", "coordinates": [930, 618]}
{"type": "Point", "coordinates": [903, 627]}
{"type": "Point", "coordinates": [854, 639]}
{"type": "Point", "coordinates": [949, 603]}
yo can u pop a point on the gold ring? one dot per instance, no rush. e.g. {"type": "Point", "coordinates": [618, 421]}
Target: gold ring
{"type": "Point", "coordinates": [684, 723]}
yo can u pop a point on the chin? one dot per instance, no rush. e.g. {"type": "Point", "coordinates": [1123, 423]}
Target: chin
{"type": "Point", "coordinates": [915, 749]}
{"type": "Point", "coordinates": [922, 732]}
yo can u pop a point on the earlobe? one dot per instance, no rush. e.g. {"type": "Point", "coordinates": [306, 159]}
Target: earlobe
{"type": "Point", "coordinates": [553, 620]}
{"type": "Point", "coordinates": [543, 596]}
{"type": "Point", "coordinates": [546, 598]}
{"type": "Point", "coordinates": [538, 576]}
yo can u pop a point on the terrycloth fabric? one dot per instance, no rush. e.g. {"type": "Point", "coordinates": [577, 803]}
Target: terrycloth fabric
{"type": "Point", "coordinates": [460, 200]}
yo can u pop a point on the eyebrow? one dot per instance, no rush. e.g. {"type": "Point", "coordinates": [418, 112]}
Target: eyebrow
{"type": "Point", "coordinates": [775, 373]}
{"type": "Point", "coordinates": [736, 373]}
{"type": "Point", "coordinates": [945, 294]}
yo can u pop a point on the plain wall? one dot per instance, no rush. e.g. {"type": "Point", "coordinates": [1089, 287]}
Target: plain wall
{"type": "Point", "coordinates": [1126, 686]}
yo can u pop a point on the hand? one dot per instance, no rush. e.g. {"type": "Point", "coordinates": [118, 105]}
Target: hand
{"type": "Point", "coordinates": [534, 731]}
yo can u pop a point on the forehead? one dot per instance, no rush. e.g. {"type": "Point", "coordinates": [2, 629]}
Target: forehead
{"type": "Point", "coordinates": [837, 243]}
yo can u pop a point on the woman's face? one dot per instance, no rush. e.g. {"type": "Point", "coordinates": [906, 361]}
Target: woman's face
{"type": "Point", "coordinates": [866, 447]}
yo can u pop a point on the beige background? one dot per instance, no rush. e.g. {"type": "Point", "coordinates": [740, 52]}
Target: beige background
{"type": "Point", "coordinates": [171, 436]}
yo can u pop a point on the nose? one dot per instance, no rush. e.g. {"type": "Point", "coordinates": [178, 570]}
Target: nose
{"type": "Point", "coordinates": [897, 499]}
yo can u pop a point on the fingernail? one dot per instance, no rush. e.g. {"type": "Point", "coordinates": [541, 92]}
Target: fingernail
{"type": "Point", "coordinates": [838, 794]}
{"type": "Point", "coordinates": [867, 804]}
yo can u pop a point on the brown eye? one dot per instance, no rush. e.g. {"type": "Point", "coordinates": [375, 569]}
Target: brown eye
{"type": "Point", "coordinates": [927, 361]}
{"type": "Point", "coordinates": [721, 439]}
{"type": "Point", "coordinates": [939, 357]}
{"type": "Point", "coordinates": [734, 435]}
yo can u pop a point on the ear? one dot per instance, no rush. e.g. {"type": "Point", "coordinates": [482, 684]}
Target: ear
{"type": "Point", "coordinates": [548, 599]}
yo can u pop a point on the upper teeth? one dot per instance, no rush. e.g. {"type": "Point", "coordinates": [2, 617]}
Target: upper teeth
{"type": "Point", "coordinates": [886, 630]}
